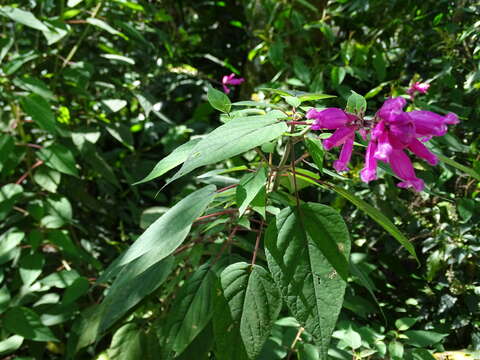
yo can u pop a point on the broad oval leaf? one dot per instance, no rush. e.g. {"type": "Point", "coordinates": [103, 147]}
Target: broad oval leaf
{"type": "Point", "coordinates": [26, 323]}
{"type": "Point", "coordinates": [218, 100]}
{"type": "Point", "coordinates": [312, 289]}
{"type": "Point", "coordinates": [39, 109]}
{"type": "Point", "coordinates": [59, 158]}
{"type": "Point", "coordinates": [233, 138]}
{"type": "Point", "coordinates": [253, 302]}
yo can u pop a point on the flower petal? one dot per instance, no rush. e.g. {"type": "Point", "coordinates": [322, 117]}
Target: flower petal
{"type": "Point", "coordinates": [369, 172]}
{"type": "Point", "coordinates": [330, 118]}
{"type": "Point", "coordinates": [422, 152]}
{"type": "Point", "coordinates": [403, 168]}
{"type": "Point", "coordinates": [384, 148]}
{"type": "Point", "coordinates": [338, 137]}
{"type": "Point", "coordinates": [391, 108]}
{"type": "Point", "coordinates": [428, 123]}
{"type": "Point", "coordinates": [345, 155]}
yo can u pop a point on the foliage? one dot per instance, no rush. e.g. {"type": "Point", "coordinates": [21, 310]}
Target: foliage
{"type": "Point", "coordinates": [233, 256]}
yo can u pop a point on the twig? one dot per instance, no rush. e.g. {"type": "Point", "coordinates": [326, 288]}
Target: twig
{"type": "Point", "coordinates": [226, 188]}
{"type": "Point", "coordinates": [297, 337]}
{"type": "Point", "coordinates": [226, 243]}
{"type": "Point", "coordinates": [24, 176]}
{"type": "Point", "coordinates": [257, 243]}
{"type": "Point", "coordinates": [228, 211]}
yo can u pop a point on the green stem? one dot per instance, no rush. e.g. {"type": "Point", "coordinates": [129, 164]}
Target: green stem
{"type": "Point", "coordinates": [75, 47]}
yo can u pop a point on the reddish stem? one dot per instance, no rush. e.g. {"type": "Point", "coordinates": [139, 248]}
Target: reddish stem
{"type": "Point", "coordinates": [228, 211]}
{"type": "Point", "coordinates": [226, 188]}
{"type": "Point", "coordinates": [297, 123]}
{"type": "Point", "coordinates": [257, 243]}
{"type": "Point", "coordinates": [24, 176]}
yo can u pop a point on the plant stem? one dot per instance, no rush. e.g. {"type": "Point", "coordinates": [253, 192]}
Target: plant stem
{"type": "Point", "coordinates": [297, 337]}
{"type": "Point", "coordinates": [257, 243]}
{"type": "Point", "coordinates": [228, 211]}
{"type": "Point", "coordinates": [75, 47]}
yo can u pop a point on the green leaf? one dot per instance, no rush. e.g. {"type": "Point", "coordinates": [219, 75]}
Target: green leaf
{"type": "Point", "coordinates": [422, 338]}
{"type": "Point", "coordinates": [6, 147]}
{"type": "Point", "coordinates": [193, 309]}
{"type": "Point", "coordinates": [47, 178]}
{"type": "Point", "coordinates": [302, 95]}
{"type": "Point", "coordinates": [9, 241]}
{"type": "Point", "coordinates": [379, 217]}
{"type": "Point", "coordinates": [292, 101]}
{"type": "Point", "coordinates": [461, 167]}
{"type": "Point", "coordinates": [233, 138]}
{"type": "Point", "coordinates": [337, 75]}
{"type": "Point", "coordinates": [121, 133]}
{"type": "Point", "coordinates": [23, 17]}
{"type": "Point", "coordinates": [10, 344]}
{"type": "Point", "coordinates": [310, 286]}
{"type": "Point", "coordinates": [31, 267]}
{"type": "Point", "coordinates": [35, 106]}
{"type": "Point", "coordinates": [78, 288]}
{"type": "Point", "coordinates": [9, 194]}
{"type": "Point", "coordinates": [104, 26]}
{"type": "Point", "coordinates": [253, 301]}
{"type": "Point", "coordinates": [395, 349]}
{"type": "Point", "coordinates": [314, 96]}
{"type": "Point", "coordinates": [356, 104]}
{"type": "Point", "coordinates": [56, 30]}
{"type": "Point", "coordinates": [34, 85]}
{"type": "Point", "coordinates": [200, 347]}
{"type": "Point", "coordinates": [114, 105]}
{"type": "Point", "coordinates": [315, 149]}
{"type": "Point", "coordinates": [26, 323]}
{"type": "Point", "coordinates": [249, 187]}
{"type": "Point", "coordinates": [60, 158]}
{"type": "Point", "coordinates": [126, 343]}
{"type": "Point", "coordinates": [168, 232]}
{"type": "Point", "coordinates": [404, 323]}
{"type": "Point", "coordinates": [135, 281]}
{"type": "Point", "coordinates": [218, 100]}
{"type": "Point", "coordinates": [352, 339]}
{"type": "Point", "coordinates": [175, 158]}
{"type": "Point", "coordinates": [18, 61]}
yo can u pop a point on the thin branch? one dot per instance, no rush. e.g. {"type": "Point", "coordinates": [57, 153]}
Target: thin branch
{"type": "Point", "coordinates": [228, 211]}
{"type": "Point", "coordinates": [297, 337]}
{"type": "Point", "coordinates": [24, 176]}
{"type": "Point", "coordinates": [257, 243]}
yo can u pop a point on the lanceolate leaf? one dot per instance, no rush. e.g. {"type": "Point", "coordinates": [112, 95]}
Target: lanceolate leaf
{"type": "Point", "coordinates": [378, 217]}
{"type": "Point", "coordinates": [248, 188]}
{"type": "Point", "coordinates": [35, 106]}
{"type": "Point", "coordinates": [175, 158]}
{"type": "Point", "coordinates": [310, 285]}
{"type": "Point", "coordinates": [136, 280]}
{"type": "Point", "coordinates": [193, 309]}
{"type": "Point", "coordinates": [167, 233]}
{"type": "Point", "coordinates": [253, 302]}
{"type": "Point", "coordinates": [233, 138]}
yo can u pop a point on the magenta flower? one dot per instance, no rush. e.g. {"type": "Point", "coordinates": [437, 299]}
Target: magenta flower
{"type": "Point", "coordinates": [398, 130]}
{"type": "Point", "coordinates": [230, 80]}
{"type": "Point", "coordinates": [418, 87]}
{"type": "Point", "coordinates": [344, 125]}
{"type": "Point", "coordinates": [394, 131]}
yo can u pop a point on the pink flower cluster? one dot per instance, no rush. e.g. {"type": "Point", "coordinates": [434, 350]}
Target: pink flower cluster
{"type": "Point", "coordinates": [394, 131]}
{"type": "Point", "coordinates": [230, 80]}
